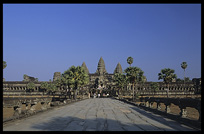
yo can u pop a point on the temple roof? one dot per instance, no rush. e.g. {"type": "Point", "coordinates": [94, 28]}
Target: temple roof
{"type": "Point", "coordinates": [101, 67]}
{"type": "Point", "coordinates": [118, 69]}
{"type": "Point", "coordinates": [85, 67]}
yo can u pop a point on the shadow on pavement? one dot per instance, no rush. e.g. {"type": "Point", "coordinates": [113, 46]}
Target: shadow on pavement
{"type": "Point", "coordinates": [100, 124]}
{"type": "Point", "coordinates": [146, 121]}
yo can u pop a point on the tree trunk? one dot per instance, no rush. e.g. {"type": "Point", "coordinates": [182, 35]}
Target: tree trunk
{"type": "Point", "coordinates": [184, 78]}
{"type": "Point", "coordinates": [168, 91]}
{"type": "Point", "coordinates": [75, 94]}
{"type": "Point", "coordinates": [133, 90]}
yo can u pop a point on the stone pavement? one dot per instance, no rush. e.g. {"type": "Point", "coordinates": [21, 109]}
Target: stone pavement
{"type": "Point", "coordinates": [97, 114]}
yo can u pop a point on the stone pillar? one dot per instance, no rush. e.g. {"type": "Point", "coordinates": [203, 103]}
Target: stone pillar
{"type": "Point", "coordinates": [183, 112]}
{"type": "Point", "coordinates": [151, 104]}
{"type": "Point", "coordinates": [147, 103]}
{"type": "Point", "coordinates": [89, 95]}
{"type": "Point", "coordinates": [158, 106]}
{"type": "Point", "coordinates": [167, 109]}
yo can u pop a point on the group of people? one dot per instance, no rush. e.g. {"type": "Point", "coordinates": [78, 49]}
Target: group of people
{"type": "Point", "coordinates": [98, 96]}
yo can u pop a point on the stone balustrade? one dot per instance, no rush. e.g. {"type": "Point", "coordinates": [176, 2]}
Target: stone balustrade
{"type": "Point", "coordinates": [23, 106]}
{"type": "Point", "coordinates": [18, 107]}
{"type": "Point", "coordinates": [181, 102]}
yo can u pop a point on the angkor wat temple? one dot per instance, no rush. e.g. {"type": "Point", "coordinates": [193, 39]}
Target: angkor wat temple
{"type": "Point", "coordinates": [101, 79]}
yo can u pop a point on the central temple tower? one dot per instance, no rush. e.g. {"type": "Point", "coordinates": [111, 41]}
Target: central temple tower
{"type": "Point", "coordinates": [101, 79]}
{"type": "Point", "coordinates": [101, 70]}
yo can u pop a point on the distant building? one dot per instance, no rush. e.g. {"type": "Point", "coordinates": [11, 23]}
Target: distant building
{"type": "Point", "coordinates": [101, 79]}
{"type": "Point", "coordinates": [57, 75]}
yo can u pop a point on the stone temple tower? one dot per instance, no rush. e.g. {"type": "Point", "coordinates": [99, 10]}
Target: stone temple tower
{"type": "Point", "coordinates": [118, 69]}
{"type": "Point", "coordinates": [57, 75]}
{"type": "Point", "coordinates": [101, 67]}
{"type": "Point", "coordinates": [85, 67]}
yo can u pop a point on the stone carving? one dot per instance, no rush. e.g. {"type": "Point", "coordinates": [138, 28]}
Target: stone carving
{"type": "Point", "coordinates": [57, 75]}
{"type": "Point", "coordinates": [118, 69]}
{"type": "Point", "coordinates": [29, 78]}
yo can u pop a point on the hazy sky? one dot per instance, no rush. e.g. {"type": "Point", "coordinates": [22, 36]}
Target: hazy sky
{"type": "Point", "coordinates": [40, 39]}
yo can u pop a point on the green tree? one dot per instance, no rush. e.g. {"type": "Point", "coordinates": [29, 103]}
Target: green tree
{"type": "Point", "coordinates": [36, 79]}
{"type": "Point", "coordinates": [121, 80]}
{"type": "Point", "coordinates": [44, 86]}
{"type": "Point", "coordinates": [130, 60]}
{"type": "Point", "coordinates": [52, 88]}
{"type": "Point", "coordinates": [58, 83]}
{"type": "Point", "coordinates": [187, 79]}
{"type": "Point", "coordinates": [4, 64]}
{"type": "Point", "coordinates": [167, 75]}
{"type": "Point", "coordinates": [154, 87]}
{"type": "Point", "coordinates": [134, 76]}
{"type": "Point", "coordinates": [75, 77]}
{"type": "Point", "coordinates": [30, 86]}
{"type": "Point", "coordinates": [179, 80]}
{"type": "Point", "coordinates": [184, 66]}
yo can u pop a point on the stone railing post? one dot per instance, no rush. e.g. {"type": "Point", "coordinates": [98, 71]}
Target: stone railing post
{"type": "Point", "coordinates": [158, 106]}
{"type": "Point", "coordinates": [147, 104]}
{"type": "Point", "coordinates": [183, 112]}
{"type": "Point", "coordinates": [151, 104]}
{"type": "Point", "coordinates": [167, 109]}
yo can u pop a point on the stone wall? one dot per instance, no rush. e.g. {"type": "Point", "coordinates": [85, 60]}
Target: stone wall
{"type": "Point", "coordinates": [18, 107]}
{"type": "Point", "coordinates": [106, 82]}
{"type": "Point", "coordinates": [183, 103]}
{"type": "Point", "coordinates": [29, 78]}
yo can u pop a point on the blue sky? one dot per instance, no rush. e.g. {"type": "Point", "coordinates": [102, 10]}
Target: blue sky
{"type": "Point", "coordinates": [40, 39]}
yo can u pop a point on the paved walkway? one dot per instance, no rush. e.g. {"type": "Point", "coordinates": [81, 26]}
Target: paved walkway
{"type": "Point", "coordinates": [98, 114]}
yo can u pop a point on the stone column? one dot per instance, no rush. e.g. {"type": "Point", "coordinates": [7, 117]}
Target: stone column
{"type": "Point", "coordinates": [158, 106]}
{"type": "Point", "coordinates": [151, 104]}
{"type": "Point", "coordinates": [167, 109]}
{"type": "Point", "coordinates": [89, 95]}
{"type": "Point", "coordinates": [147, 103]}
{"type": "Point", "coordinates": [183, 112]}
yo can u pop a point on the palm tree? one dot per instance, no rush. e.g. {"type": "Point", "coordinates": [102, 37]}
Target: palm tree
{"type": "Point", "coordinates": [134, 76]}
{"type": "Point", "coordinates": [130, 60]}
{"type": "Point", "coordinates": [4, 64]}
{"type": "Point", "coordinates": [75, 77]}
{"type": "Point", "coordinates": [184, 66]}
{"type": "Point", "coordinates": [121, 80]}
{"type": "Point", "coordinates": [167, 75]}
